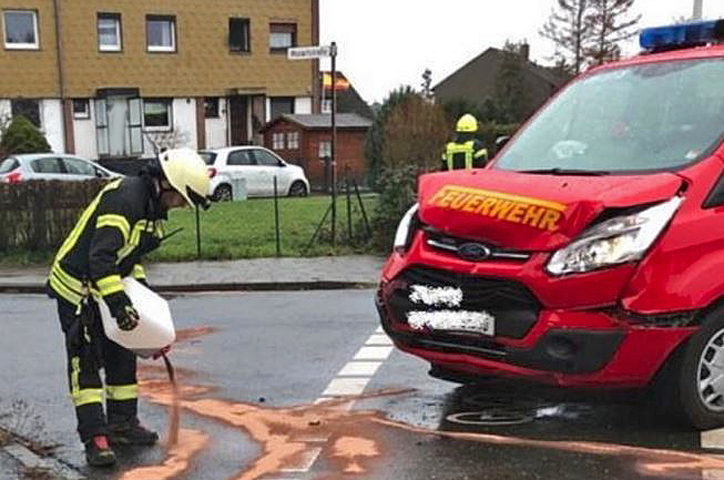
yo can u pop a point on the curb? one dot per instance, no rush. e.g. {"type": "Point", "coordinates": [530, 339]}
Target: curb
{"type": "Point", "coordinates": [30, 460]}
{"type": "Point", "coordinates": [219, 287]}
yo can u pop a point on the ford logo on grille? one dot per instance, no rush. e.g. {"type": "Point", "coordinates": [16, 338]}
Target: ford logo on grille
{"type": "Point", "coordinates": [474, 252]}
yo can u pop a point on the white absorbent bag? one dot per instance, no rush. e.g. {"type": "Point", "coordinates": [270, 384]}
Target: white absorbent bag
{"type": "Point", "coordinates": [155, 329]}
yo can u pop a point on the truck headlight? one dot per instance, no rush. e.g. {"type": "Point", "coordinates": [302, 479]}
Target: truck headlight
{"type": "Point", "coordinates": [403, 234]}
{"type": "Point", "coordinates": [615, 241]}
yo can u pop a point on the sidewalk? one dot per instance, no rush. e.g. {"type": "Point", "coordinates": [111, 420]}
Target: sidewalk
{"type": "Point", "coordinates": [320, 273]}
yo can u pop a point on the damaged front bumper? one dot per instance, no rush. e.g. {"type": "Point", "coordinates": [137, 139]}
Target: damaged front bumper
{"type": "Point", "coordinates": [577, 348]}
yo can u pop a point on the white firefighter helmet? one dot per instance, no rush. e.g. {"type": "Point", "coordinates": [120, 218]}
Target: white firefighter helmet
{"type": "Point", "coordinates": [187, 173]}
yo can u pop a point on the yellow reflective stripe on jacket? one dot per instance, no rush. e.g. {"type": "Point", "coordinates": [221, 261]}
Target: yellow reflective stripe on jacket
{"type": "Point", "coordinates": [110, 285]}
{"type": "Point", "coordinates": [65, 292]}
{"type": "Point", "coordinates": [138, 272]}
{"type": "Point", "coordinates": [70, 281]}
{"type": "Point", "coordinates": [483, 152]}
{"type": "Point", "coordinates": [122, 392]}
{"type": "Point", "coordinates": [117, 221]}
{"type": "Point", "coordinates": [82, 396]}
{"type": "Point", "coordinates": [133, 240]}
{"type": "Point", "coordinates": [454, 148]}
{"type": "Point", "coordinates": [80, 226]}
{"type": "Point", "coordinates": [135, 237]}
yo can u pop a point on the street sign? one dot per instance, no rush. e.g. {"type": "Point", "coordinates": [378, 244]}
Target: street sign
{"type": "Point", "coordinates": [306, 53]}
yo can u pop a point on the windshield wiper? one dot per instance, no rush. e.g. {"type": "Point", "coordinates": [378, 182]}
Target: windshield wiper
{"type": "Point", "coordinates": [567, 171]}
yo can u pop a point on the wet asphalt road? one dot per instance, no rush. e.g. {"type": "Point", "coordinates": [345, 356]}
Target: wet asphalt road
{"type": "Point", "coordinates": [249, 360]}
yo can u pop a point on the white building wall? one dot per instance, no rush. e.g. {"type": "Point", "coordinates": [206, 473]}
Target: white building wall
{"type": "Point", "coordinates": [84, 134]}
{"type": "Point", "coordinates": [303, 105]}
{"type": "Point", "coordinates": [5, 111]}
{"type": "Point", "coordinates": [183, 116]}
{"type": "Point", "coordinates": [216, 128]}
{"type": "Point", "coordinates": [51, 112]}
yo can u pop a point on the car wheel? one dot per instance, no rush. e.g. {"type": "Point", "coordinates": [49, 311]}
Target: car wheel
{"type": "Point", "coordinates": [223, 193]}
{"type": "Point", "coordinates": [701, 374]}
{"type": "Point", "coordinates": [298, 189]}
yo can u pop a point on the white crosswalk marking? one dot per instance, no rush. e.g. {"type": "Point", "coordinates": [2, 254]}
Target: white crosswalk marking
{"type": "Point", "coordinates": [304, 462]}
{"type": "Point", "coordinates": [713, 439]}
{"type": "Point", "coordinates": [379, 339]}
{"type": "Point", "coordinates": [359, 369]}
{"type": "Point", "coordinates": [373, 353]}
{"type": "Point", "coordinates": [346, 386]}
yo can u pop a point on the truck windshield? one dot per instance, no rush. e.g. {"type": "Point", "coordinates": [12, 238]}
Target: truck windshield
{"type": "Point", "coordinates": [656, 116]}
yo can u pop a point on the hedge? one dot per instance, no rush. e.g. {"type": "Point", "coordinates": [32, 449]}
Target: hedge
{"type": "Point", "coordinates": [39, 214]}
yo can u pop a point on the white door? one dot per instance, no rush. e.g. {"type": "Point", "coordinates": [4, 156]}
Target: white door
{"type": "Point", "coordinates": [240, 164]}
{"type": "Point", "coordinates": [117, 126]}
{"type": "Point", "coordinates": [269, 166]}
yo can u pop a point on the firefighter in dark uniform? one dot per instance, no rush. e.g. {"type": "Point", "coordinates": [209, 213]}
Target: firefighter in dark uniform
{"type": "Point", "coordinates": [123, 223]}
{"type": "Point", "coordinates": [466, 151]}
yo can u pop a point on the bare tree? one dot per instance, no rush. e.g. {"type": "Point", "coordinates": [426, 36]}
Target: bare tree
{"type": "Point", "coordinates": [164, 140]}
{"type": "Point", "coordinates": [611, 22]}
{"type": "Point", "coordinates": [426, 85]}
{"type": "Point", "coordinates": [569, 28]}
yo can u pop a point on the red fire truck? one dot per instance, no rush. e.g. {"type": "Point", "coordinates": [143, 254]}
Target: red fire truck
{"type": "Point", "coordinates": [590, 251]}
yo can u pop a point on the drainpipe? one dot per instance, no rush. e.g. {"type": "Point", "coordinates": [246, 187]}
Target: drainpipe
{"type": "Point", "coordinates": [68, 139]}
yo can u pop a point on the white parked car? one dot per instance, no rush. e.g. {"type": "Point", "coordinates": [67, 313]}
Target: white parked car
{"type": "Point", "coordinates": [258, 166]}
{"type": "Point", "coordinates": [50, 166]}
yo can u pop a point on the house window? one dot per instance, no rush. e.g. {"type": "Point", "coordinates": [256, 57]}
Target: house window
{"type": "Point", "coordinates": [281, 105]}
{"type": "Point", "coordinates": [109, 32]}
{"type": "Point", "coordinates": [278, 141]}
{"type": "Point", "coordinates": [292, 140]}
{"type": "Point", "coordinates": [28, 108]}
{"type": "Point", "coordinates": [21, 29]}
{"type": "Point", "coordinates": [161, 33]}
{"type": "Point", "coordinates": [81, 108]}
{"type": "Point", "coordinates": [282, 36]}
{"type": "Point", "coordinates": [157, 114]}
{"type": "Point", "coordinates": [325, 150]}
{"type": "Point", "coordinates": [239, 35]}
{"type": "Point", "coordinates": [327, 105]}
{"type": "Point", "coordinates": [211, 107]}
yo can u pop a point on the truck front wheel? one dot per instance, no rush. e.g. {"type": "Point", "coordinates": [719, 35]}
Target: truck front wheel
{"type": "Point", "coordinates": [701, 374]}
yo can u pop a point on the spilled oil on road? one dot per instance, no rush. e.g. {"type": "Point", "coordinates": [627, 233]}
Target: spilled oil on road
{"type": "Point", "coordinates": [351, 440]}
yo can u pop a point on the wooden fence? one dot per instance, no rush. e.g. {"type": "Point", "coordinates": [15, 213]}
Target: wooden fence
{"type": "Point", "coordinates": [38, 215]}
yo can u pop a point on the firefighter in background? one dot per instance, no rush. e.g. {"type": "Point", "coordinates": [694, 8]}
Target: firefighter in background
{"type": "Point", "coordinates": [466, 151]}
{"type": "Point", "coordinates": [123, 223]}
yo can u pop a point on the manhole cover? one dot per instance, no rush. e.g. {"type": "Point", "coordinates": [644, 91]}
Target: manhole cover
{"type": "Point", "coordinates": [492, 417]}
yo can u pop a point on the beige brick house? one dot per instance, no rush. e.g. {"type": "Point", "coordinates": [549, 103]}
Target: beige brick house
{"type": "Point", "coordinates": [106, 78]}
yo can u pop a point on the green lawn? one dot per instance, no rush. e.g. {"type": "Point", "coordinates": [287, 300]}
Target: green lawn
{"type": "Point", "coordinates": [246, 229]}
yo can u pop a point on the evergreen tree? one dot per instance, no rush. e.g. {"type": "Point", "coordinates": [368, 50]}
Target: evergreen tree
{"type": "Point", "coordinates": [569, 28]}
{"type": "Point", "coordinates": [511, 94]}
{"type": "Point", "coordinates": [22, 136]}
{"type": "Point", "coordinates": [611, 23]}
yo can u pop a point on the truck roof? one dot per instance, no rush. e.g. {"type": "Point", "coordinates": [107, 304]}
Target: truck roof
{"type": "Point", "coordinates": [688, 53]}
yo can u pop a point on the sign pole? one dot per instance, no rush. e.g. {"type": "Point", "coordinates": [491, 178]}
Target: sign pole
{"type": "Point", "coordinates": [333, 54]}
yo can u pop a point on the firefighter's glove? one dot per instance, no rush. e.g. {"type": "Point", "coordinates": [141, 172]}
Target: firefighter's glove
{"type": "Point", "coordinates": [122, 310]}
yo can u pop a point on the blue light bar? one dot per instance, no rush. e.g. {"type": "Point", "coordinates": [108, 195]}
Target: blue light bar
{"type": "Point", "coordinates": [685, 35]}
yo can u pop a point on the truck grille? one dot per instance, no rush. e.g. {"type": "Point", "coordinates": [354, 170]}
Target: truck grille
{"type": "Point", "coordinates": [514, 307]}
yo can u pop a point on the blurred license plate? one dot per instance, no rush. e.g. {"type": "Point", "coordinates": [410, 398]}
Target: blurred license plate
{"type": "Point", "coordinates": [453, 321]}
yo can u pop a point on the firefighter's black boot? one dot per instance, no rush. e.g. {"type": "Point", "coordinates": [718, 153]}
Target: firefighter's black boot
{"type": "Point", "coordinates": [131, 433]}
{"type": "Point", "coordinates": [98, 453]}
